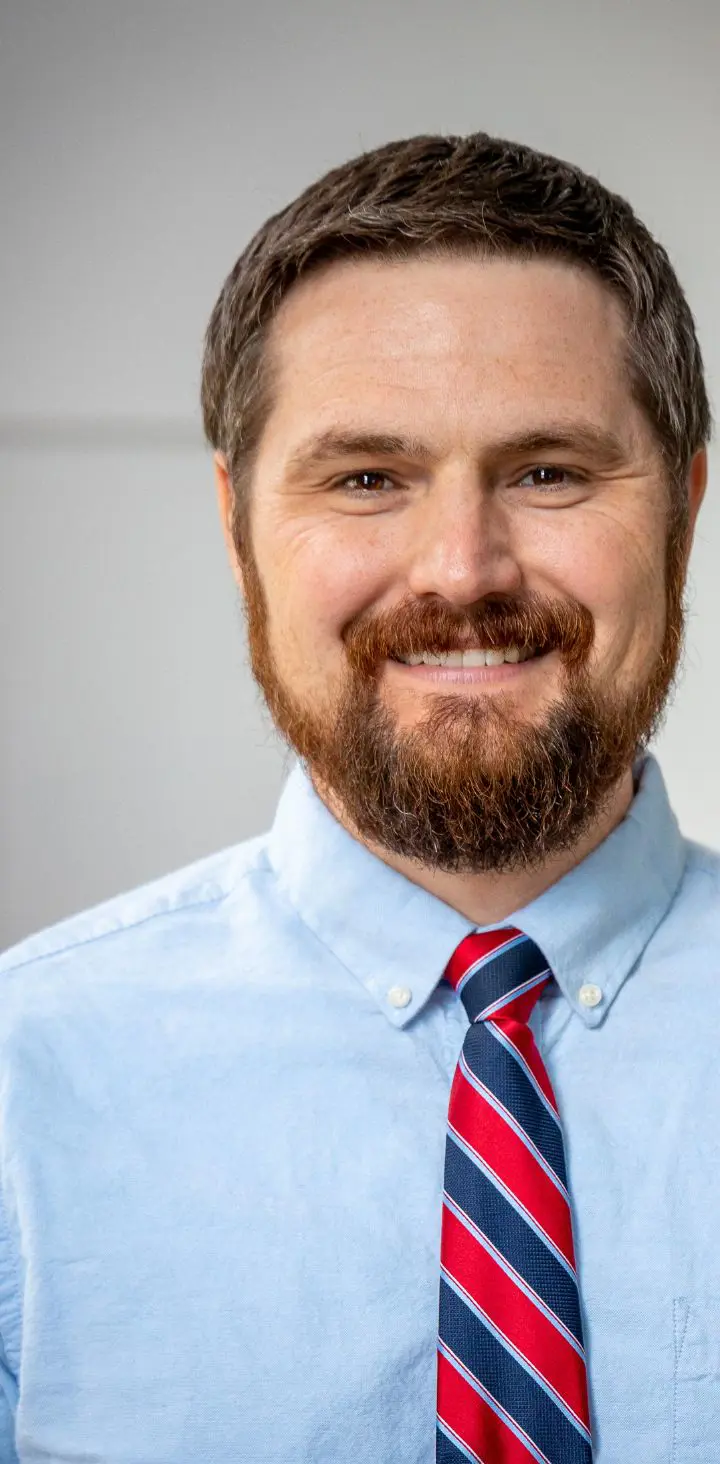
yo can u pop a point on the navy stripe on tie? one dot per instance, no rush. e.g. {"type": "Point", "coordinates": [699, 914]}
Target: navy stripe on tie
{"type": "Point", "coordinates": [497, 1069]}
{"type": "Point", "coordinates": [509, 1383]}
{"type": "Point", "coordinates": [510, 1233]}
{"type": "Point", "coordinates": [502, 1036]}
{"type": "Point", "coordinates": [500, 975]}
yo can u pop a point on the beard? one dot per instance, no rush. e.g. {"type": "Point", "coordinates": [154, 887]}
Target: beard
{"type": "Point", "coordinates": [471, 787]}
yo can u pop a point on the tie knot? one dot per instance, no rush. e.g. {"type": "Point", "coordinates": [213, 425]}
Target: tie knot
{"type": "Point", "coordinates": [498, 974]}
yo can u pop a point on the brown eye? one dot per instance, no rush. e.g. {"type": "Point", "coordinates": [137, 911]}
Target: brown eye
{"type": "Point", "coordinates": [547, 477]}
{"type": "Point", "coordinates": [360, 484]}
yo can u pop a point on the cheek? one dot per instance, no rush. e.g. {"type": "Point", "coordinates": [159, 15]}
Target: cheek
{"type": "Point", "coordinates": [617, 571]}
{"type": "Point", "coordinates": [322, 578]}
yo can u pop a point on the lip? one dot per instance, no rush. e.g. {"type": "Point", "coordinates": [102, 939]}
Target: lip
{"type": "Point", "coordinates": [467, 675]}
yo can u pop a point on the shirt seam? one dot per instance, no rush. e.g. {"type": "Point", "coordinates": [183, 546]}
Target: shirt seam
{"type": "Point", "coordinates": [12, 1340]}
{"type": "Point", "coordinates": [81, 942]}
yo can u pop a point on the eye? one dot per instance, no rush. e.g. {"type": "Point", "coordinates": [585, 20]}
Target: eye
{"type": "Point", "coordinates": [350, 482]}
{"type": "Point", "coordinates": [550, 479]}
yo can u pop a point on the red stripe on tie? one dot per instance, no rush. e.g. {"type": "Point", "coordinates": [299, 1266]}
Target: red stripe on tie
{"type": "Point", "coordinates": [521, 1037]}
{"type": "Point", "coordinates": [475, 1422]}
{"type": "Point", "coordinates": [479, 946]}
{"type": "Point", "coordinates": [488, 1135]}
{"type": "Point", "coordinates": [513, 1313]}
{"type": "Point", "coordinates": [518, 1005]}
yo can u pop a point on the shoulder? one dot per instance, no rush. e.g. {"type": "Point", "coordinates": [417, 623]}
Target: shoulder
{"type": "Point", "coordinates": [692, 921]}
{"type": "Point", "coordinates": [701, 878]}
{"type": "Point", "coordinates": [137, 918]}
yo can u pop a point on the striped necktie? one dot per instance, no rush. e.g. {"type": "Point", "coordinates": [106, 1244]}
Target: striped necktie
{"type": "Point", "coordinates": [512, 1382]}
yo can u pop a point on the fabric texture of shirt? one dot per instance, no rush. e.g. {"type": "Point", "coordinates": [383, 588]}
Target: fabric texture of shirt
{"type": "Point", "coordinates": [222, 1137]}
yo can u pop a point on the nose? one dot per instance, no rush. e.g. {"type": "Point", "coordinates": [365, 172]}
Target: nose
{"type": "Point", "coordinates": [462, 545]}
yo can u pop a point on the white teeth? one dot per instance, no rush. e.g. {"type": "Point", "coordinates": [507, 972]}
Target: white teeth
{"type": "Point", "coordinates": [470, 658]}
{"type": "Point", "coordinates": [513, 654]}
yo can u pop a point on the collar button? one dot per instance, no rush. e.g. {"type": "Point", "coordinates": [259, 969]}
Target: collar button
{"type": "Point", "coordinates": [590, 995]}
{"type": "Point", "coordinates": [399, 996]}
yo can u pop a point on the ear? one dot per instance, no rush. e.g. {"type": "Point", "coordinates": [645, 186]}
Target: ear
{"type": "Point", "coordinates": [226, 499]}
{"type": "Point", "coordinates": [696, 485]}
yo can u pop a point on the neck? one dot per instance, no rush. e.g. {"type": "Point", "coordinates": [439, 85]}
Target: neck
{"type": "Point", "coordinates": [488, 897]}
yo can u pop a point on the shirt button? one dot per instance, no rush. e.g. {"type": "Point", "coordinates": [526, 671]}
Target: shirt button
{"type": "Point", "coordinates": [590, 995]}
{"type": "Point", "coordinates": [399, 996]}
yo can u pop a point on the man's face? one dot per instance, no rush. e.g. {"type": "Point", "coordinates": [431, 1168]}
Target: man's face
{"type": "Point", "coordinates": [522, 508]}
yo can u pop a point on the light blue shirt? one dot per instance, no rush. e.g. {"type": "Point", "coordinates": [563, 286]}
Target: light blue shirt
{"type": "Point", "coordinates": [222, 1139]}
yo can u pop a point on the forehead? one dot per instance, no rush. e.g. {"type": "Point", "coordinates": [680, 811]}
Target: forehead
{"type": "Point", "coordinates": [466, 344]}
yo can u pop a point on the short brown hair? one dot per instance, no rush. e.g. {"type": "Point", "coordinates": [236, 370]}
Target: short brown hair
{"type": "Point", "coordinates": [456, 195]}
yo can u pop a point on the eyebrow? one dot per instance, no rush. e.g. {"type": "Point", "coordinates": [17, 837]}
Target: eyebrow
{"type": "Point", "coordinates": [583, 437]}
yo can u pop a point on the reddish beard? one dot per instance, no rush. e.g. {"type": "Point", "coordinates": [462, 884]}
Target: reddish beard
{"type": "Point", "coordinates": [471, 787]}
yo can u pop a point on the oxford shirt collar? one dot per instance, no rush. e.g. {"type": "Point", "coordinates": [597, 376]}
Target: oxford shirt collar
{"type": "Point", "coordinates": [592, 925]}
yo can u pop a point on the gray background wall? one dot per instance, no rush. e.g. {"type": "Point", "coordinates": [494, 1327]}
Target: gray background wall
{"type": "Point", "coordinates": [140, 146]}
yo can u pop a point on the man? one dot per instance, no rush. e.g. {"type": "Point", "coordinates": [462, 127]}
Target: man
{"type": "Point", "coordinates": [390, 1134]}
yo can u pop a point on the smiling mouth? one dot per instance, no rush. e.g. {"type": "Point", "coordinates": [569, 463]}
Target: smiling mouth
{"type": "Point", "coordinates": [472, 657]}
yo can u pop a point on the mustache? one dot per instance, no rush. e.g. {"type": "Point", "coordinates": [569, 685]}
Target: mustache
{"type": "Point", "coordinates": [412, 630]}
